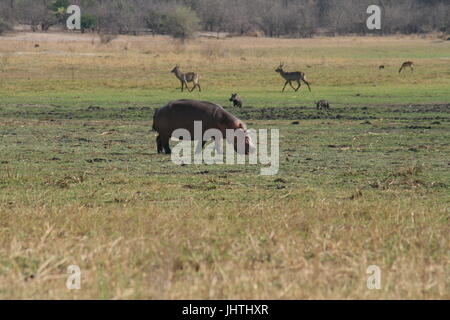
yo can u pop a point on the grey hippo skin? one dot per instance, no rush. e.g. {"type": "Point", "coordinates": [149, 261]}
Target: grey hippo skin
{"type": "Point", "coordinates": [181, 114]}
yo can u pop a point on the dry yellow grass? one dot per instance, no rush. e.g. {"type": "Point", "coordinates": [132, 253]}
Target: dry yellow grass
{"type": "Point", "coordinates": [289, 250]}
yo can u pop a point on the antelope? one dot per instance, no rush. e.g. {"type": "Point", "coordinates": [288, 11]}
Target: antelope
{"type": "Point", "coordinates": [237, 102]}
{"type": "Point", "coordinates": [292, 76]}
{"type": "Point", "coordinates": [381, 67]}
{"type": "Point", "coordinates": [407, 64]}
{"type": "Point", "coordinates": [187, 77]}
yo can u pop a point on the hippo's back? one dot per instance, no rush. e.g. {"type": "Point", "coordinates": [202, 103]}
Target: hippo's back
{"type": "Point", "coordinates": [182, 114]}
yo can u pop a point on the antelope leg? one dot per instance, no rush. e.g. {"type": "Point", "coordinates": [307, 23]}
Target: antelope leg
{"type": "Point", "coordinates": [307, 83]}
{"type": "Point", "coordinates": [190, 90]}
{"type": "Point", "coordinates": [290, 83]}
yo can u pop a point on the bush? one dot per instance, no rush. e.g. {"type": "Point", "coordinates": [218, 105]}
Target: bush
{"type": "Point", "coordinates": [88, 22]}
{"type": "Point", "coordinates": [155, 21]}
{"type": "Point", "coordinates": [182, 23]}
{"type": "Point", "coordinates": [4, 26]}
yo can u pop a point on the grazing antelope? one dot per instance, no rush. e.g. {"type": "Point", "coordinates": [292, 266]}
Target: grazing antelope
{"type": "Point", "coordinates": [407, 64]}
{"type": "Point", "coordinates": [237, 102]}
{"type": "Point", "coordinates": [381, 67]}
{"type": "Point", "coordinates": [322, 104]}
{"type": "Point", "coordinates": [185, 78]}
{"type": "Point", "coordinates": [292, 76]}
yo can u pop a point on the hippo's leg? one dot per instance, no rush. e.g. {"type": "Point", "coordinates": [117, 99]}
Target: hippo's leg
{"type": "Point", "coordinates": [167, 148]}
{"type": "Point", "coordinates": [159, 145]}
{"type": "Point", "coordinates": [165, 144]}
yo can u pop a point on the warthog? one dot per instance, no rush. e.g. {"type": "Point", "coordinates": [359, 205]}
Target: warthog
{"type": "Point", "coordinates": [237, 102]}
{"type": "Point", "coordinates": [322, 104]}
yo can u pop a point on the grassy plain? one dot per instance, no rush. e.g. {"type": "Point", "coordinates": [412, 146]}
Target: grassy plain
{"type": "Point", "coordinates": [363, 184]}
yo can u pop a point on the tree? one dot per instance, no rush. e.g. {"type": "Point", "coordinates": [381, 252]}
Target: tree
{"type": "Point", "coordinates": [182, 23]}
{"type": "Point", "coordinates": [38, 13]}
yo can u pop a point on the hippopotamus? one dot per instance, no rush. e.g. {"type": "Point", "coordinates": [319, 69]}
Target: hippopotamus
{"type": "Point", "coordinates": [181, 114]}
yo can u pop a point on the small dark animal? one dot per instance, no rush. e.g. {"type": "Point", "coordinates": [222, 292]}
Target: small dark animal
{"type": "Point", "coordinates": [36, 45]}
{"type": "Point", "coordinates": [381, 67]}
{"type": "Point", "coordinates": [407, 64]}
{"type": "Point", "coordinates": [322, 104]}
{"type": "Point", "coordinates": [237, 102]}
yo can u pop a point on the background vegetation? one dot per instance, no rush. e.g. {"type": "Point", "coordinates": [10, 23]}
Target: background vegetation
{"type": "Point", "coordinates": [274, 18]}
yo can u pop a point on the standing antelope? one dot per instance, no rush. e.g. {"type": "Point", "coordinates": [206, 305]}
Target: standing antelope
{"type": "Point", "coordinates": [407, 64]}
{"type": "Point", "coordinates": [292, 76]}
{"type": "Point", "coordinates": [187, 77]}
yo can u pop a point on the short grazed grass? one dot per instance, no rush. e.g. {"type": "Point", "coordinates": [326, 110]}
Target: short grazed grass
{"type": "Point", "coordinates": [363, 184]}
{"type": "Point", "coordinates": [73, 70]}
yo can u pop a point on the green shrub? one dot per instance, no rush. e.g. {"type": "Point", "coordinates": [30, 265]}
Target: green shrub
{"type": "Point", "coordinates": [88, 22]}
{"type": "Point", "coordinates": [5, 26]}
{"type": "Point", "coordinates": [181, 23]}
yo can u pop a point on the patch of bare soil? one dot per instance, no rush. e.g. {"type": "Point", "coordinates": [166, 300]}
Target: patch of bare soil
{"type": "Point", "coordinates": [397, 112]}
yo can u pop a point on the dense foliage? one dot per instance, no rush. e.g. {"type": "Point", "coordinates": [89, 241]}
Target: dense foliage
{"type": "Point", "coordinates": [293, 18]}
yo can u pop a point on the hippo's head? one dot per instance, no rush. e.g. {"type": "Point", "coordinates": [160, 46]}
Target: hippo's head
{"type": "Point", "coordinates": [242, 141]}
{"type": "Point", "coordinates": [249, 147]}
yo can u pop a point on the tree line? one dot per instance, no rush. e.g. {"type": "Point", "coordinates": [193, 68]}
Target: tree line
{"type": "Point", "coordinates": [273, 18]}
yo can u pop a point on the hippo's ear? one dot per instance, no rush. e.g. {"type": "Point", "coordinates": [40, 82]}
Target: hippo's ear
{"type": "Point", "coordinates": [242, 126]}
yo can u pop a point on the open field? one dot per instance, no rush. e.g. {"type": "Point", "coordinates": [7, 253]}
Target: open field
{"type": "Point", "coordinates": [72, 70]}
{"type": "Point", "coordinates": [366, 183]}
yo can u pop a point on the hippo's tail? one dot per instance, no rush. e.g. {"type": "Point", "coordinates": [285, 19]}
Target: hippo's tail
{"type": "Point", "coordinates": [154, 117]}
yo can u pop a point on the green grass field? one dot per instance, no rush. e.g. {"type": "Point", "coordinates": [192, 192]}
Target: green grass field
{"type": "Point", "coordinates": [366, 183]}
